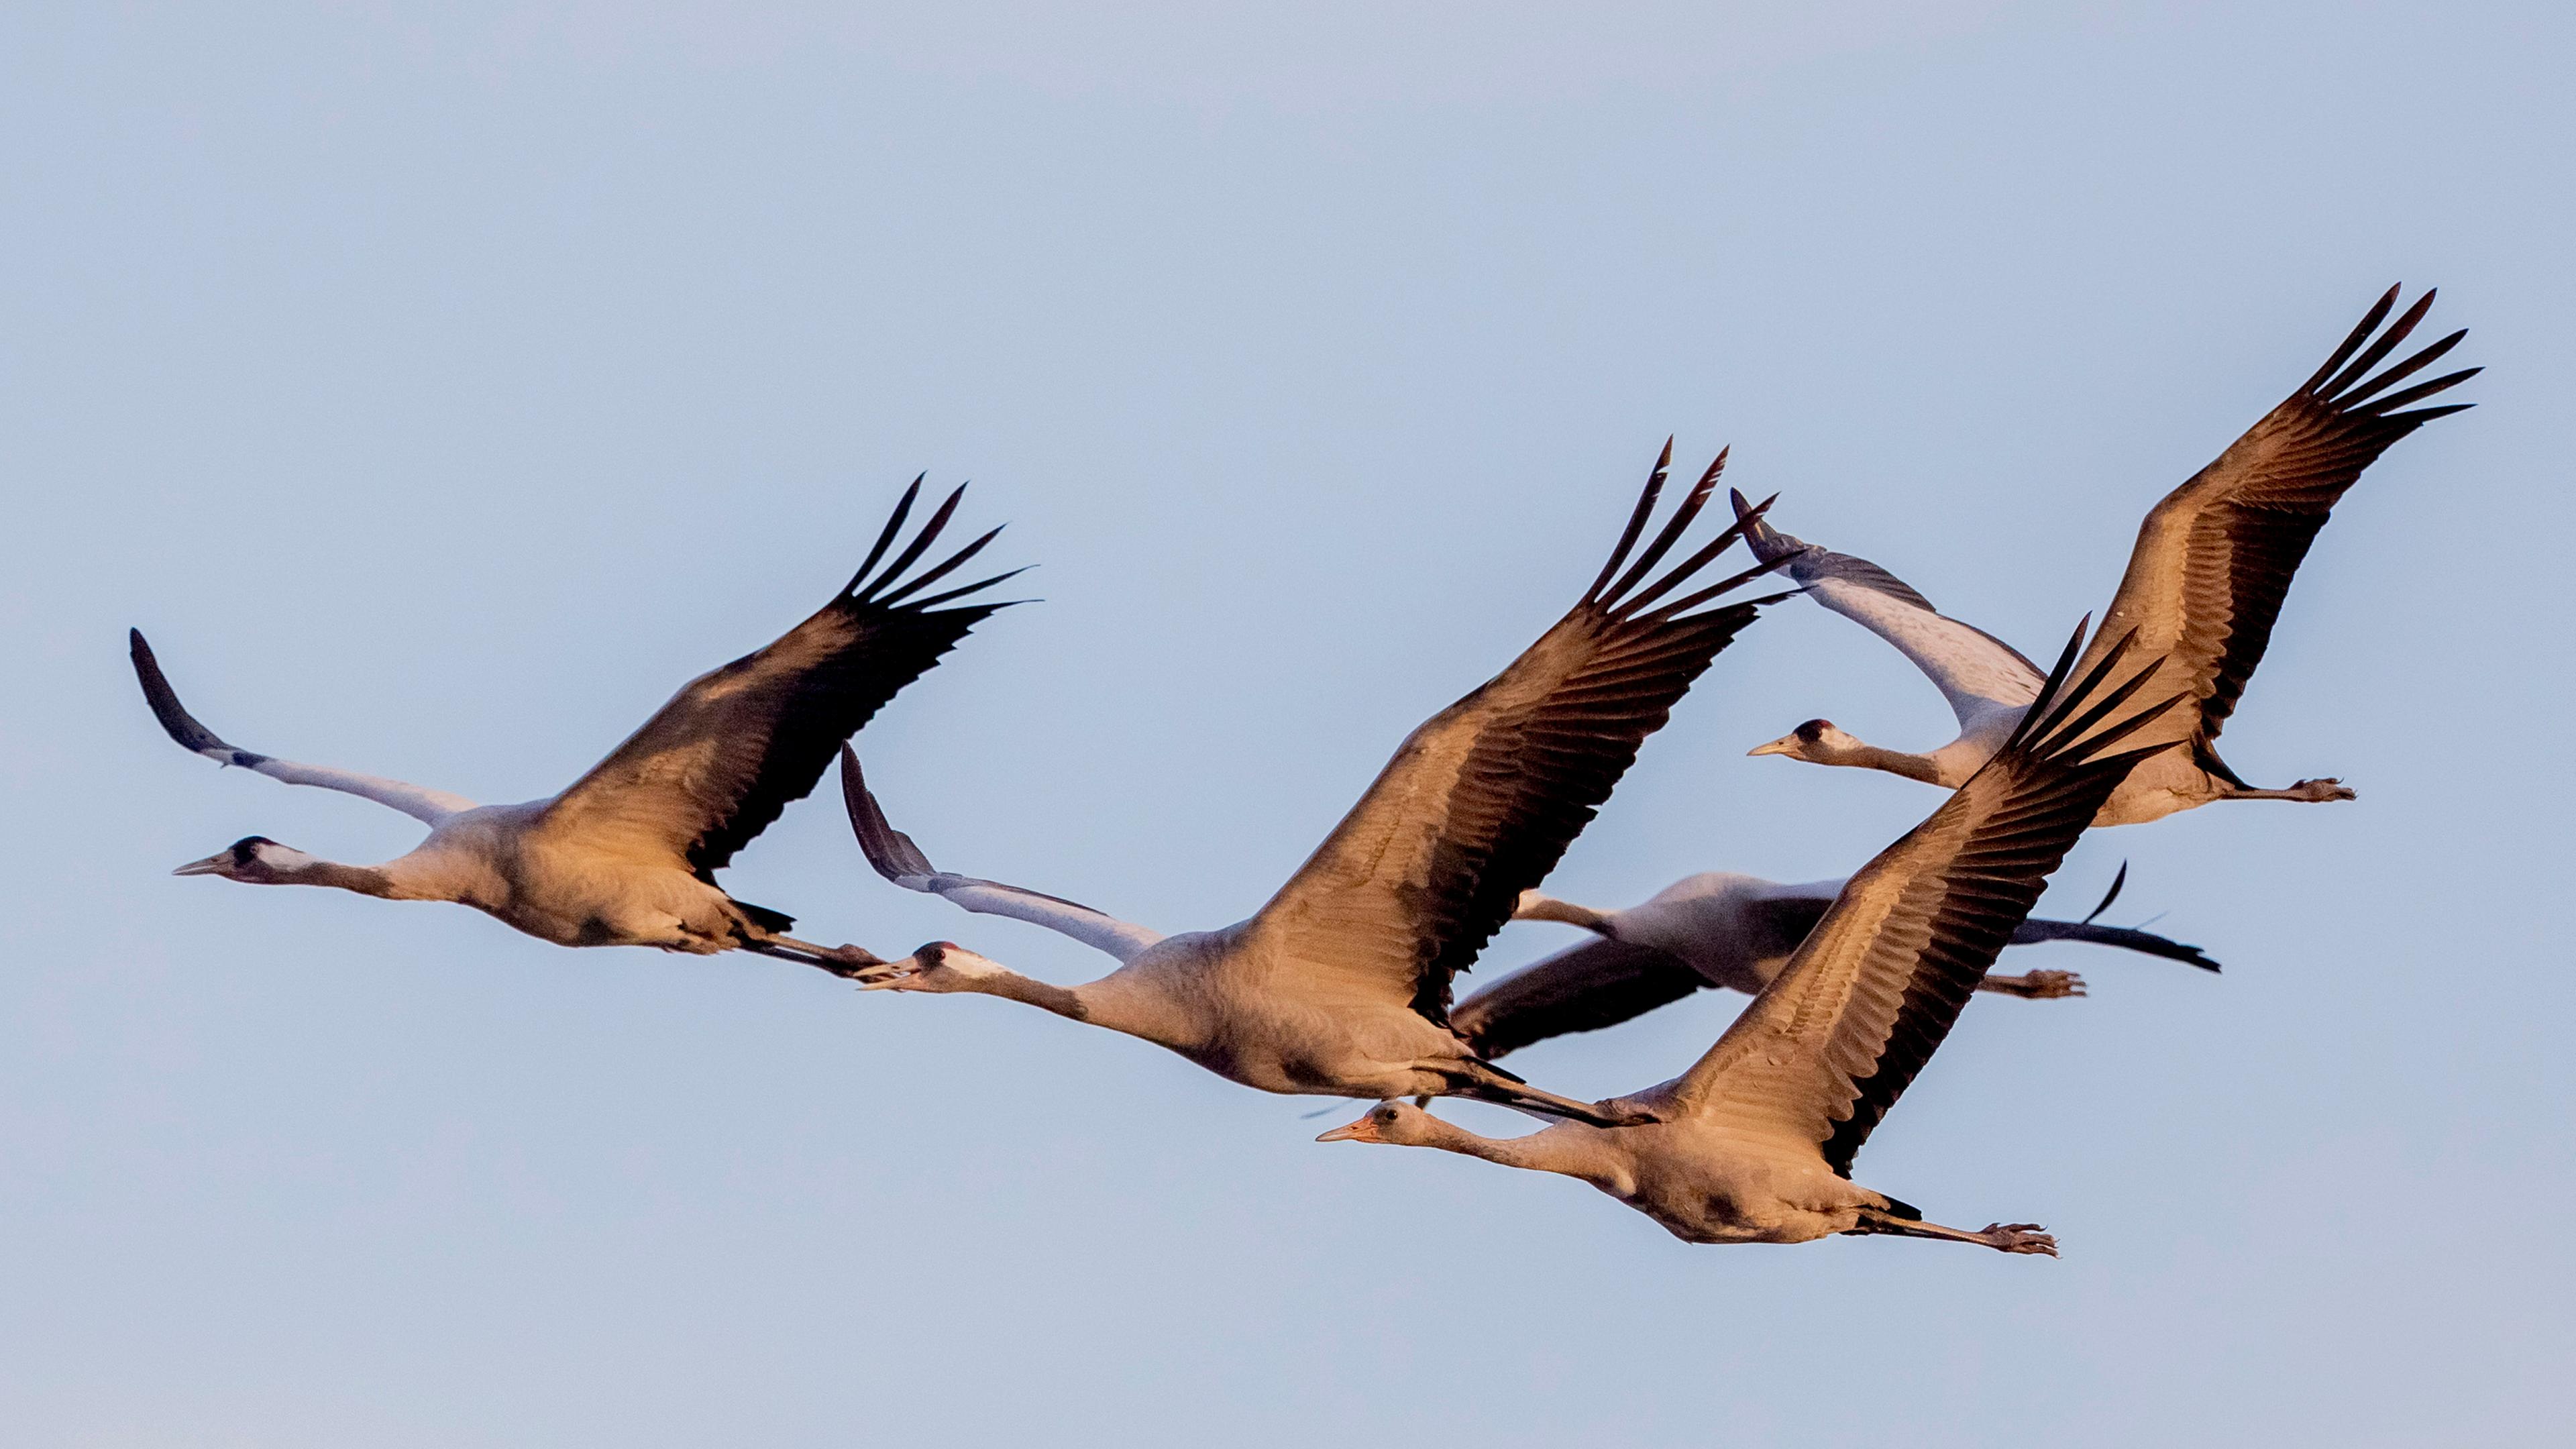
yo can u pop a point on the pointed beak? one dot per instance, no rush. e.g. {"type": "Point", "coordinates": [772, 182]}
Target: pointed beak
{"type": "Point", "coordinates": [1350, 1132]}
{"type": "Point", "coordinates": [211, 865]}
{"type": "Point", "coordinates": [1780, 746]}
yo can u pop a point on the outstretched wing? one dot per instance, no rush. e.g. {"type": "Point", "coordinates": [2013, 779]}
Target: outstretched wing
{"type": "Point", "coordinates": [1479, 803]}
{"type": "Point", "coordinates": [1600, 983]}
{"type": "Point", "coordinates": [1823, 1052]}
{"type": "Point", "coordinates": [429, 806]}
{"type": "Point", "coordinates": [1979, 674]}
{"type": "Point", "coordinates": [2214, 559]}
{"type": "Point", "coordinates": [900, 861]}
{"type": "Point", "coordinates": [716, 765]}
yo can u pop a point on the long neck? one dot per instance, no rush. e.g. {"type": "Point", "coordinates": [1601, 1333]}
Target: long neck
{"type": "Point", "coordinates": [366, 880]}
{"type": "Point", "coordinates": [1113, 1002]}
{"type": "Point", "coordinates": [1572, 1149]}
{"type": "Point", "coordinates": [1895, 762]}
{"type": "Point", "coordinates": [1062, 1000]}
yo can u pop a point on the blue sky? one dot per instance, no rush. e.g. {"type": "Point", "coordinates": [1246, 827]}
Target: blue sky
{"type": "Point", "coordinates": [440, 387]}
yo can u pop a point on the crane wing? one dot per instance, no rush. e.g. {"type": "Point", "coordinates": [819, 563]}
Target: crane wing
{"type": "Point", "coordinates": [420, 803]}
{"type": "Point", "coordinates": [1979, 674]}
{"type": "Point", "coordinates": [1600, 983]}
{"type": "Point", "coordinates": [715, 766]}
{"type": "Point", "coordinates": [1823, 1052]}
{"type": "Point", "coordinates": [900, 861]}
{"type": "Point", "coordinates": [2214, 559]}
{"type": "Point", "coordinates": [1481, 800]}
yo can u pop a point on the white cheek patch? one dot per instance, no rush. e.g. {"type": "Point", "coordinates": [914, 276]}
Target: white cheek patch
{"type": "Point", "coordinates": [967, 963]}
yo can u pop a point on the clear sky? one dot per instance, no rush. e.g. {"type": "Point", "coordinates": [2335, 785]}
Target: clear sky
{"type": "Point", "coordinates": [440, 386]}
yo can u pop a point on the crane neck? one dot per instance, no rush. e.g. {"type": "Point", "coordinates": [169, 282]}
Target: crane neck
{"type": "Point", "coordinates": [1894, 762]}
{"type": "Point", "coordinates": [1064, 1001]}
{"type": "Point", "coordinates": [366, 880]}
{"type": "Point", "coordinates": [1572, 1149]}
{"type": "Point", "coordinates": [1112, 1002]}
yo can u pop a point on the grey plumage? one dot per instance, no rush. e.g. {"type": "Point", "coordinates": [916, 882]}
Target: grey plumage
{"type": "Point", "coordinates": [1714, 930]}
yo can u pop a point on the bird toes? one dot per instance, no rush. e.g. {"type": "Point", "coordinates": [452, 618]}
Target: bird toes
{"type": "Point", "coordinates": [2019, 1238]}
{"type": "Point", "coordinates": [2038, 985]}
{"type": "Point", "coordinates": [885, 975]}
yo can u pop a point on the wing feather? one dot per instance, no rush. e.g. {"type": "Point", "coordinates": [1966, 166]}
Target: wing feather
{"type": "Point", "coordinates": [1984, 679]}
{"type": "Point", "coordinates": [1827, 1048]}
{"type": "Point", "coordinates": [1481, 801]}
{"type": "Point", "coordinates": [715, 766]}
{"type": "Point", "coordinates": [1598, 984]}
{"type": "Point", "coordinates": [2214, 559]}
{"type": "Point", "coordinates": [419, 802]}
{"type": "Point", "coordinates": [896, 858]}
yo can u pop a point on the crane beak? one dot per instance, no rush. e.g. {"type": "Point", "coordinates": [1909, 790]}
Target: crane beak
{"type": "Point", "coordinates": [211, 865]}
{"type": "Point", "coordinates": [1359, 1131]}
{"type": "Point", "coordinates": [1781, 746]}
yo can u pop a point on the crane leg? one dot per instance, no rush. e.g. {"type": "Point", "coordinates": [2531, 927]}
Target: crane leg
{"type": "Point", "coordinates": [2036, 985]}
{"type": "Point", "coordinates": [1486, 1083]}
{"type": "Point", "coordinates": [2003, 1237]}
{"type": "Point", "coordinates": [850, 962]}
{"type": "Point", "coordinates": [2311, 792]}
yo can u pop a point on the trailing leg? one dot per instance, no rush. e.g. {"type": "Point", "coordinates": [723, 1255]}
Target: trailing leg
{"type": "Point", "coordinates": [2036, 985]}
{"type": "Point", "coordinates": [1488, 1083]}
{"type": "Point", "coordinates": [850, 962]}
{"type": "Point", "coordinates": [2309, 792]}
{"type": "Point", "coordinates": [2002, 1237]}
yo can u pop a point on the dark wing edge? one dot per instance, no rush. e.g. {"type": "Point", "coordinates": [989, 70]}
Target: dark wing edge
{"type": "Point", "coordinates": [2258, 508]}
{"type": "Point", "coordinates": [174, 717]}
{"type": "Point", "coordinates": [1810, 563]}
{"type": "Point", "coordinates": [778, 715]}
{"type": "Point", "coordinates": [1547, 740]}
{"type": "Point", "coordinates": [1598, 984]}
{"type": "Point", "coordinates": [892, 854]}
{"type": "Point", "coordinates": [2022, 812]}
{"type": "Point", "coordinates": [1844, 1028]}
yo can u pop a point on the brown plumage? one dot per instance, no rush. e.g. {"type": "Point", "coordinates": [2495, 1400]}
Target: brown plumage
{"type": "Point", "coordinates": [2203, 589]}
{"type": "Point", "coordinates": [1482, 800]}
{"type": "Point", "coordinates": [1340, 984]}
{"type": "Point", "coordinates": [627, 854]}
{"type": "Point", "coordinates": [2214, 560]}
{"type": "Point", "coordinates": [714, 767]}
{"type": "Point", "coordinates": [1754, 1143]}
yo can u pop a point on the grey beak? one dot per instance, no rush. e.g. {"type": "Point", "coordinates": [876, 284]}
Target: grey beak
{"type": "Point", "coordinates": [1348, 1133]}
{"type": "Point", "coordinates": [1776, 747]}
{"type": "Point", "coordinates": [211, 865]}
